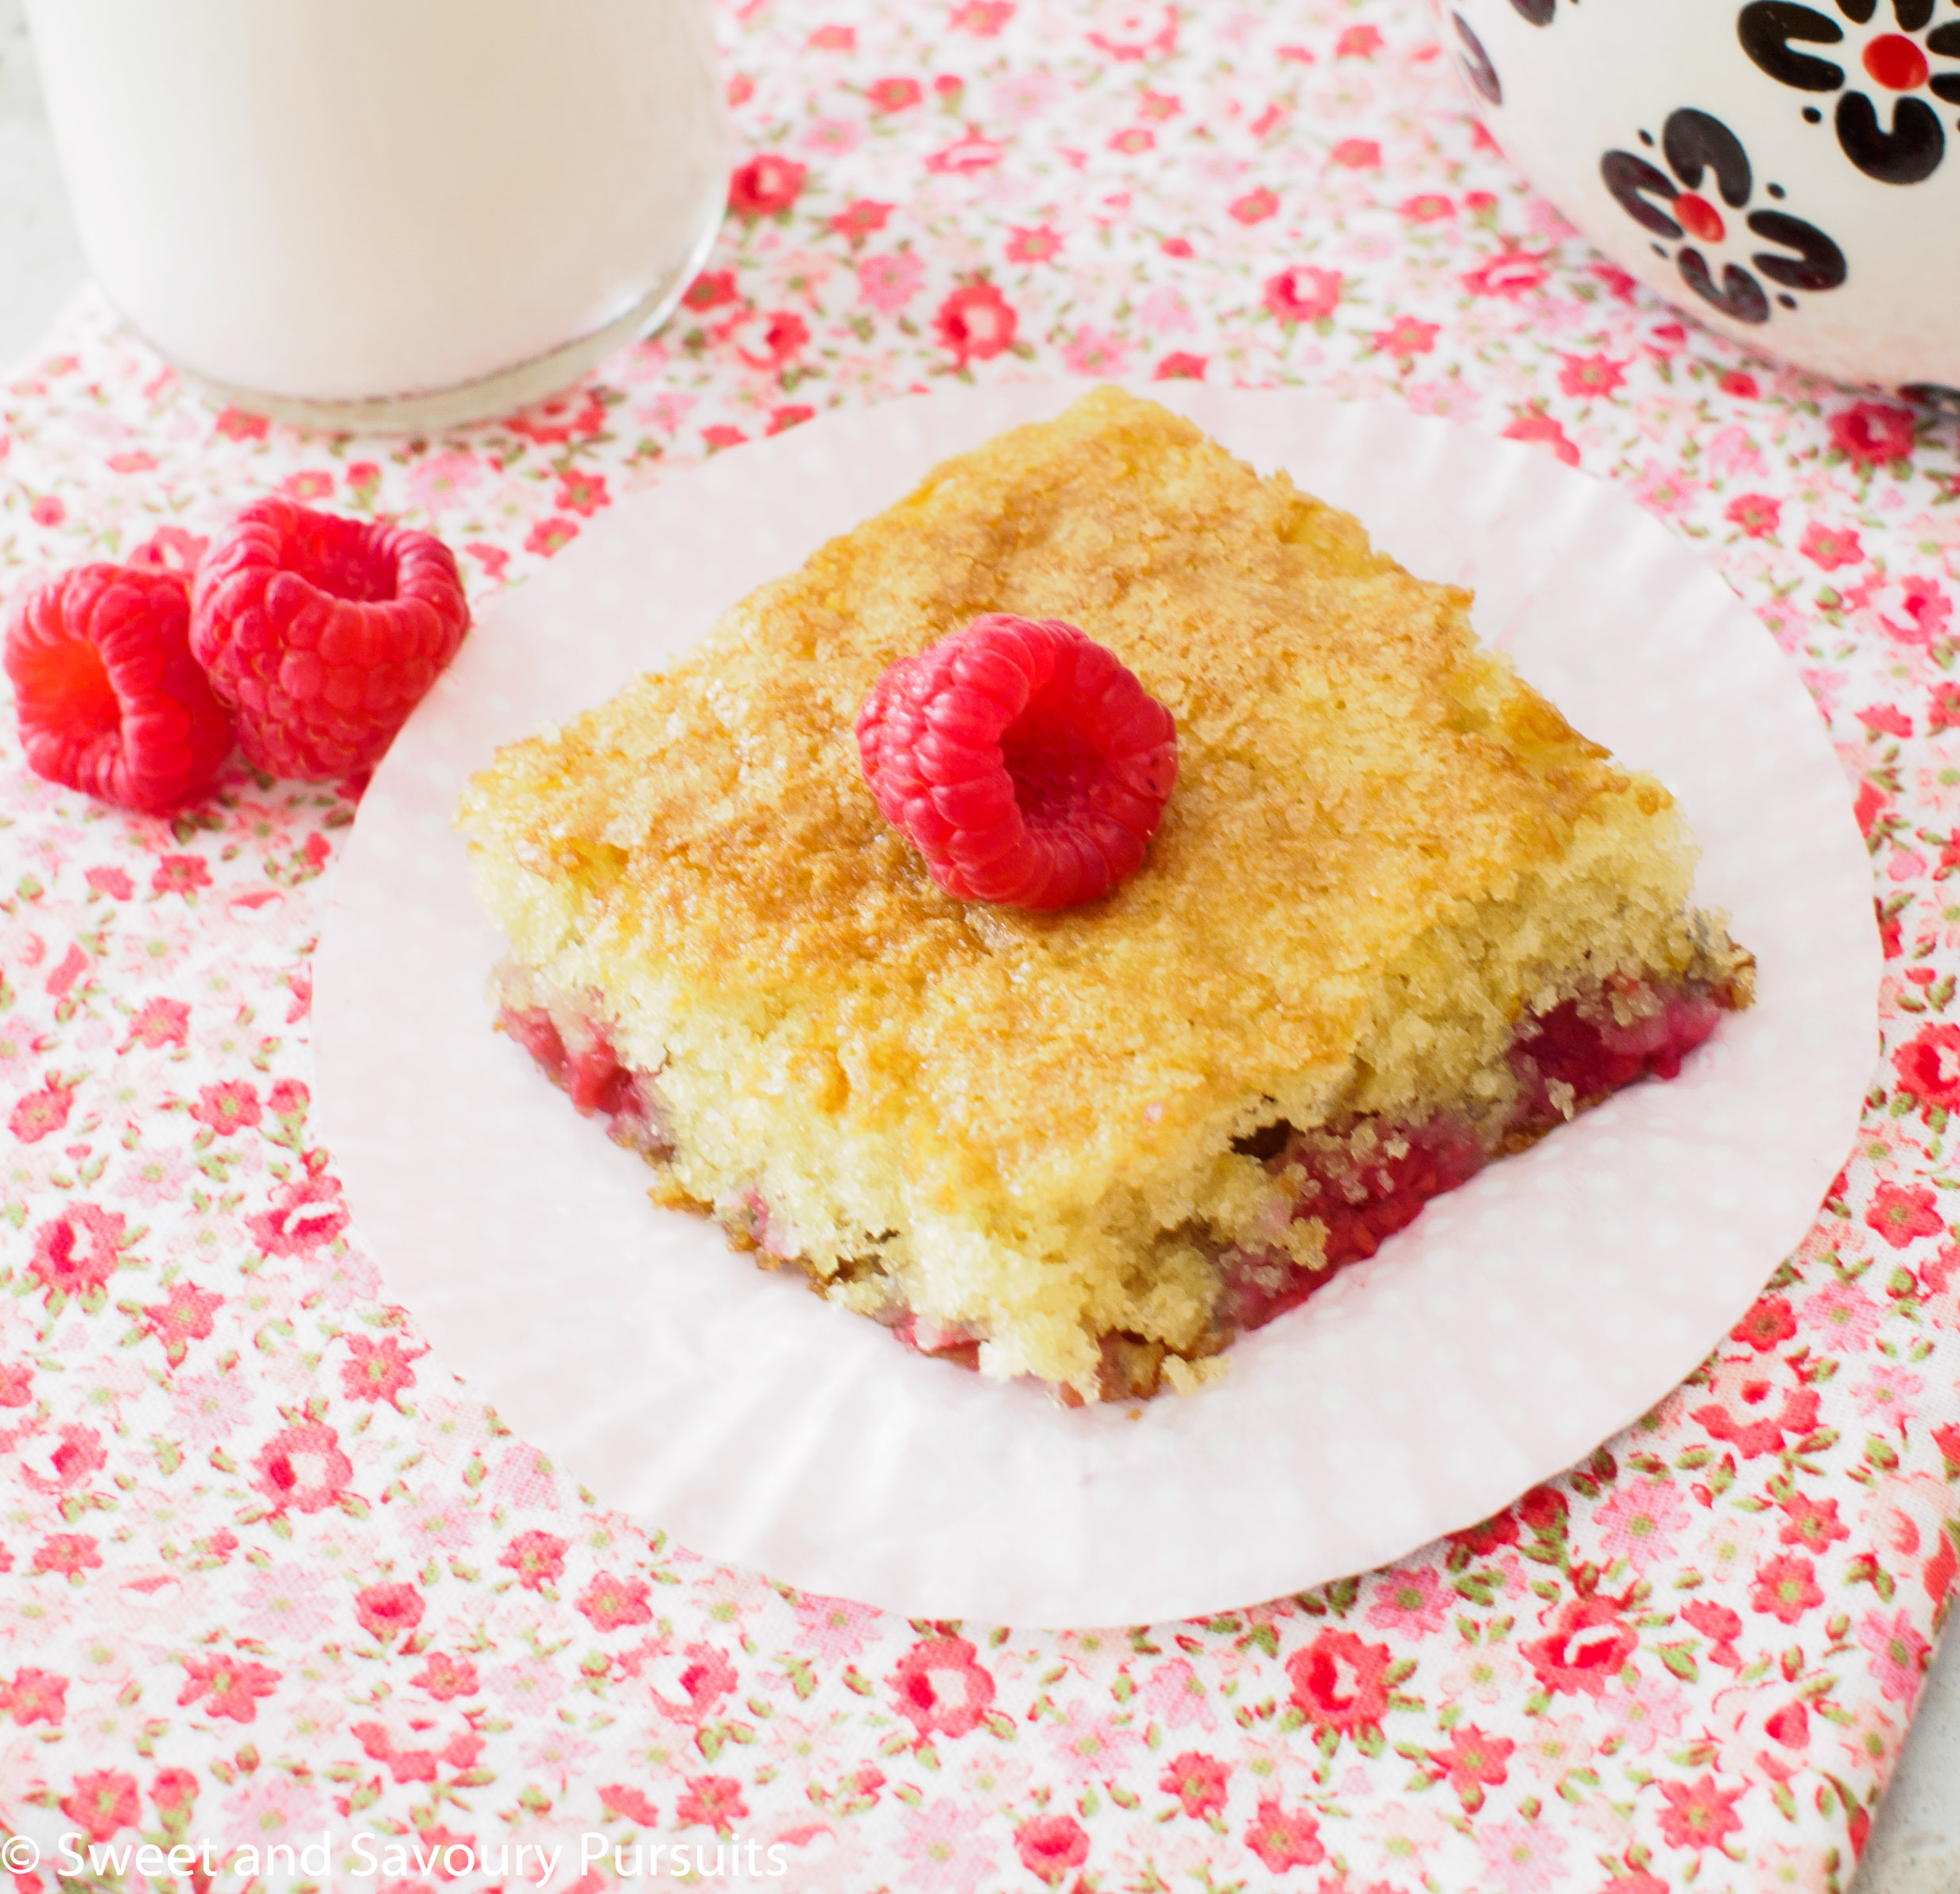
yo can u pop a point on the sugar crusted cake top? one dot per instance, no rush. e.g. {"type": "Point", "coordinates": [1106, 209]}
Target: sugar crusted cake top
{"type": "Point", "coordinates": [1356, 775]}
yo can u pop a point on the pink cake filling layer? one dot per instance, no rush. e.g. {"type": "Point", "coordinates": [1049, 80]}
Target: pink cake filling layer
{"type": "Point", "coordinates": [1567, 1063]}
{"type": "Point", "coordinates": [582, 1062]}
{"type": "Point", "coordinates": [1363, 1186]}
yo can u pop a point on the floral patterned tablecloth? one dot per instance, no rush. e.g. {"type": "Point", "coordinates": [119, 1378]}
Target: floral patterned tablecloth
{"type": "Point", "coordinates": [271, 1572]}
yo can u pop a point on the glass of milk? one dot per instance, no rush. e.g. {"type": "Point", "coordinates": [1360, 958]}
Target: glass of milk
{"type": "Point", "coordinates": [394, 213]}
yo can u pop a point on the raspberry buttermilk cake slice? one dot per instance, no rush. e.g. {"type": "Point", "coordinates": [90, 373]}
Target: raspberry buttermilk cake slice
{"type": "Point", "coordinates": [1397, 919]}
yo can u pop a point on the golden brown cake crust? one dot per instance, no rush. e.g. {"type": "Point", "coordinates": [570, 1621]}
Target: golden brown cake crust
{"type": "Point", "coordinates": [1357, 777]}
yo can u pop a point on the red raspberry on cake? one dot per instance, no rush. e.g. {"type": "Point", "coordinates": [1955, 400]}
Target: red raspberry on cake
{"type": "Point", "coordinates": [110, 699]}
{"type": "Point", "coordinates": [323, 633]}
{"type": "Point", "coordinates": [1024, 761]}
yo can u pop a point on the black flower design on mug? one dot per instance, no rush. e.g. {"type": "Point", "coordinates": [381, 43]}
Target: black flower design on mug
{"type": "Point", "coordinates": [1943, 401]}
{"type": "Point", "coordinates": [1538, 12]}
{"type": "Point", "coordinates": [1707, 161]}
{"type": "Point", "coordinates": [1474, 64]}
{"type": "Point", "coordinates": [1891, 63]}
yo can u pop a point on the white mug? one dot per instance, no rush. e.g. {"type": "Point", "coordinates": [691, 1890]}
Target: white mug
{"type": "Point", "coordinates": [387, 213]}
{"type": "Point", "coordinates": [1789, 171]}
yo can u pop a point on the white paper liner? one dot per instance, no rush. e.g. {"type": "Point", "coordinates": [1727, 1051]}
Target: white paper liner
{"type": "Point", "coordinates": [1519, 1322]}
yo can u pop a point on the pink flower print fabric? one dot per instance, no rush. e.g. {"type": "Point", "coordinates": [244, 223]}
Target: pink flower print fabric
{"type": "Point", "coordinates": [267, 1568]}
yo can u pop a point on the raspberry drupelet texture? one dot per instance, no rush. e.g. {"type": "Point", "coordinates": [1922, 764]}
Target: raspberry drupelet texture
{"type": "Point", "coordinates": [1025, 761]}
{"type": "Point", "coordinates": [323, 633]}
{"type": "Point", "coordinates": [110, 699]}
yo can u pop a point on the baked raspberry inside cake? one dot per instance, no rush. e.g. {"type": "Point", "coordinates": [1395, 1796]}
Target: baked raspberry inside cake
{"type": "Point", "coordinates": [1399, 920]}
{"type": "Point", "coordinates": [1351, 1189]}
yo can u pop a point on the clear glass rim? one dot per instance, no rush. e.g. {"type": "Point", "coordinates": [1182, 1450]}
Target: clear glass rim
{"type": "Point", "coordinates": [505, 391]}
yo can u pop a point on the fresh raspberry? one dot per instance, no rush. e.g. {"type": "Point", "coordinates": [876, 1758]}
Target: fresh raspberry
{"type": "Point", "coordinates": [323, 633]}
{"type": "Point", "coordinates": [110, 699]}
{"type": "Point", "coordinates": [1025, 763]}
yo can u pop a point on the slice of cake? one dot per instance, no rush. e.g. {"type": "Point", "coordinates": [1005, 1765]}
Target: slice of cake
{"type": "Point", "coordinates": [1398, 918]}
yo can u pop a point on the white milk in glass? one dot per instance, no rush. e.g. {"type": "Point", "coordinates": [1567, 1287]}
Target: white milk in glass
{"type": "Point", "coordinates": [391, 212]}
